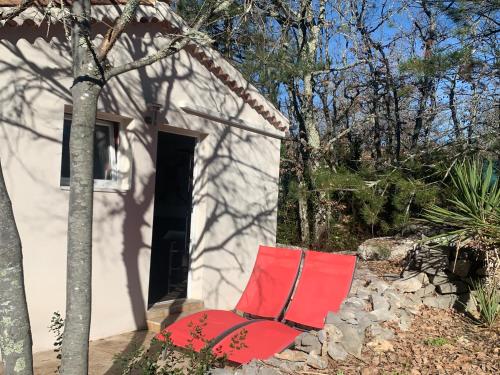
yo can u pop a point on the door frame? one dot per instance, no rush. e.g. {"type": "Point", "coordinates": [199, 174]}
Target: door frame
{"type": "Point", "coordinates": [198, 210]}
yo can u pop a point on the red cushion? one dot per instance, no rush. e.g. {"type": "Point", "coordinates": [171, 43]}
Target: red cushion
{"type": "Point", "coordinates": [197, 329]}
{"type": "Point", "coordinates": [324, 283]}
{"type": "Point", "coordinates": [271, 282]}
{"type": "Point", "coordinates": [258, 340]}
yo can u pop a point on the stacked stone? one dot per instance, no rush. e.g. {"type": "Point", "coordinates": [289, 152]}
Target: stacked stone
{"type": "Point", "coordinates": [447, 278]}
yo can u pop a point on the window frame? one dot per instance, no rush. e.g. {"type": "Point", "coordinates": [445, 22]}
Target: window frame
{"type": "Point", "coordinates": [118, 149]}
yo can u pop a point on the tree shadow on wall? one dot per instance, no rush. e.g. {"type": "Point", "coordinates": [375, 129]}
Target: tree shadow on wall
{"type": "Point", "coordinates": [232, 220]}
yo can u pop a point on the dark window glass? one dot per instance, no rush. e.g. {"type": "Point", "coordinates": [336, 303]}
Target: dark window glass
{"type": "Point", "coordinates": [105, 137]}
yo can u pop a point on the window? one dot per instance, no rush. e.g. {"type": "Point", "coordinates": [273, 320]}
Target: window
{"type": "Point", "coordinates": [106, 154]}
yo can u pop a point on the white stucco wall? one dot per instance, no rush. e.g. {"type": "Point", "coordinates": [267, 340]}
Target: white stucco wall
{"type": "Point", "coordinates": [236, 177]}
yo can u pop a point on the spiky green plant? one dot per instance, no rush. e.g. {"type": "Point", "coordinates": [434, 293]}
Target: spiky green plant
{"type": "Point", "coordinates": [474, 207]}
{"type": "Point", "coordinates": [488, 302]}
{"type": "Point", "coordinates": [472, 217]}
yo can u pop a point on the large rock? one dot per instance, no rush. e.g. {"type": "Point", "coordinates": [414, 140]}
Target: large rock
{"type": "Point", "coordinates": [352, 339]}
{"type": "Point", "coordinates": [258, 368]}
{"type": "Point", "coordinates": [308, 342]}
{"type": "Point", "coordinates": [381, 333]}
{"type": "Point", "coordinates": [330, 333]}
{"type": "Point", "coordinates": [292, 355]}
{"type": "Point", "coordinates": [441, 301]}
{"type": "Point", "coordinates": [408, 285]}
{"type": "Point", "coordinates": [385, 248]}
{"type": "Point", "coordinates": [288, 367]}
{"type": "Point", "coordinates": [428, 290]}
{"type": "Point", "coordinates": [432, 260]}
{"type": "Point", "coordinates": [336, 351]}
{"type": "Point", "coordinates": [316, 361]}
{"type": "Point", "coordinates": [379, 302]}
{"type": "Point", "coordinates": [382, 315]}
{"type": "Point", "coordinates": [456, 287]}
{"type": "Point", "coordinates": [440, 278]}
{"type": "Point", "coordinates": [332, 318]}
{"type": "Point", "coordinates": [404, 322]}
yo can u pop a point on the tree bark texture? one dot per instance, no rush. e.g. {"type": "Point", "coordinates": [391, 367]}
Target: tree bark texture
{"type": "Point", "coordinates": [79, 248]}
{"type": "Point", "coordinates": [85, 94]}
{"type": "Point", "coordinates": [15, 333]}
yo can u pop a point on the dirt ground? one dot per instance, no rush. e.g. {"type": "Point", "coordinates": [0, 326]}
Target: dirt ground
{"type": "Point", "coordinates": [439, 342]}
{"type": "Point", "coordinates": [101, 354]}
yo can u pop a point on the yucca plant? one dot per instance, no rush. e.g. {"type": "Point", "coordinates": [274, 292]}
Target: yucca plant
{"type": "Point", "coordinates": [487, 300]}
{"type": "Point", "coordinates": [472, 217]}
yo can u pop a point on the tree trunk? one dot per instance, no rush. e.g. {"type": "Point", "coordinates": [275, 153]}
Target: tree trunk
{"type": "Point", "coordinates": [85, 94]}
{"type": "Point", "coordinates": [457, 128]}
{"type": "Point", "coordinates": [427, 87]}
{"type": "Point", "coordinates": [474, 104]}
{"type": "Point", "coordinates": [15, 333]}
{"type": "Point", "coordinates": [305, 231]}
{"type": "Point", "coordinates": [79, 258]}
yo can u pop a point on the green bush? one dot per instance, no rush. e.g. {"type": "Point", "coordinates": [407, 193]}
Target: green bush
{"type": "Point", "coordinates": [364, 203]}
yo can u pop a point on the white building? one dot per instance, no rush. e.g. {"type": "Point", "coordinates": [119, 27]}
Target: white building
{"type": "Point", "coordinates": [183, 194]}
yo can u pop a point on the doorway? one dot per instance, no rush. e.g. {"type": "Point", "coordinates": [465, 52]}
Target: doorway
{"type": "Point", "coordinates": [169, 267]}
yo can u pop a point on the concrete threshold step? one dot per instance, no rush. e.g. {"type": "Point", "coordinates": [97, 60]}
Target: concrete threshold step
{"type": "Point", "coordinates": [162, 314]}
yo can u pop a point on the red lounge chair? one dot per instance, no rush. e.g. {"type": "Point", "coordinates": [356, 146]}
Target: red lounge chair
{"type": "Point", "coordinates": [265, 296]}
{"type": "Point", "coordinates": [324, 283]}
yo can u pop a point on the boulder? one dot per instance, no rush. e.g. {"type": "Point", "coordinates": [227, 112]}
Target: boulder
{"type": "Point", "coordinates": [352, 339]}
{"type": "Point", "coordinates": [441, 301]}
{"type": "Point", "coordinates": [292, 355]}
{"type": "Point", "coordinates": [385, 248]}
{"type": "Point", "coordinates": [379, 332]}
{"type": "Point", "coordinates": [316, 361]}
{"type": "Point", "coordinates": [337, 351]}
{"type": "Point", "coordinates": [456, 287]}
{"type": "Point", "coordinates": [404, 322]}
{"type": "Point", "coordinates": [379, 302]}
{"type": "Point", "coordinates": [408, 285]}
{"type": "Point", "coordinates": [353, 303]}
{"type": "Point", "coordinates": [308, 342]}
{"type": "Point", "coordinates": [379, 285]}
{"type": "Point", "coordinates": [332, 318]}
{"type": "Point", "coordinates": [422, 276]}
{"type": "Point", "coordinates": [440, 278]}
{"type": "Point", "coordinates": [428, 290]}
{"type": "Point", "coordinates": [432, 260]}
{"type": "Point", "coordinates": [382, 315]}
{"type": "Point", "coordinates": [288, 367]}
{"type": "Point", "coordinates": [329, 333]}
{"type": "Point", "coordinates": [257, 368]}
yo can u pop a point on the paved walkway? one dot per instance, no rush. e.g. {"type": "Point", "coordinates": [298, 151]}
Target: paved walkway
{"type": "Point", "coordinates": [102, 353]}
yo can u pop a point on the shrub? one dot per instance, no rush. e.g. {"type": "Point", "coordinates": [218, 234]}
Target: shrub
{"type": "Point", "coordinates": [487, 300]}
{"type": "Point", "coordinates": [56, 326]}
{"type": "Point", "coordinates": [162, 357]}
{"type": "Point", "coordinates": [472, 216]}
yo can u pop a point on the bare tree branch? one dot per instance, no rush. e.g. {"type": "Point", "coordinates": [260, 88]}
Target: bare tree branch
{"type": "Point", "coordinates": [116, 30]}
{"type": "Point", "coordinates": [178, 42]}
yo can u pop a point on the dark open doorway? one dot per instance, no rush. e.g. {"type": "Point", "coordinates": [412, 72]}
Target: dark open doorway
{"type": "Point", "coordinates": [172, 218]}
